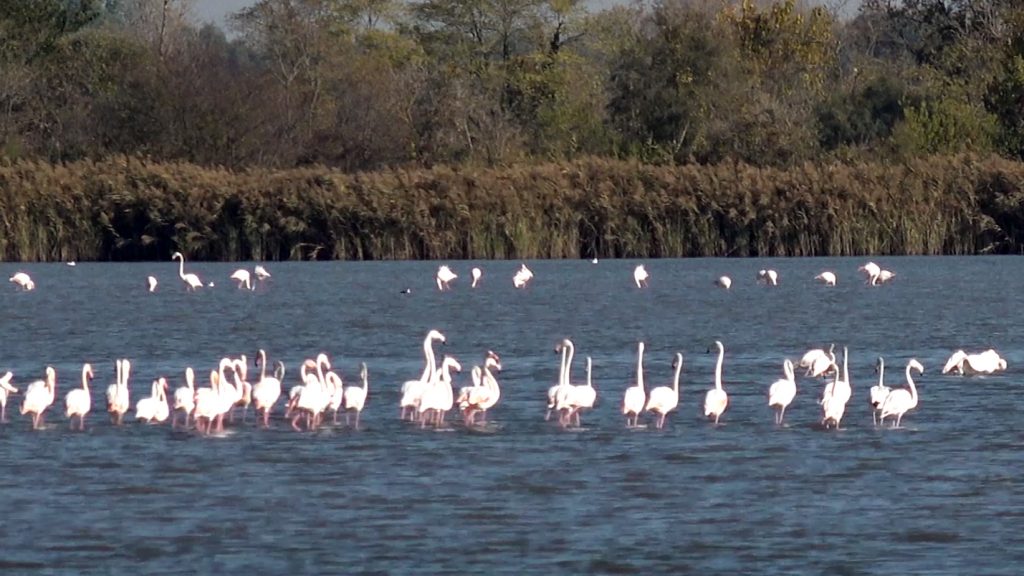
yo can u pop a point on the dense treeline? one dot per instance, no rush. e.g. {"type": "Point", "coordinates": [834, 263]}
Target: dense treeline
{"type": "Point", "coordinates": [509, 128]}
{"type": "Point", "coordinates": [369, 84]}
{"type": "Point", "coordinates": [128, 209]}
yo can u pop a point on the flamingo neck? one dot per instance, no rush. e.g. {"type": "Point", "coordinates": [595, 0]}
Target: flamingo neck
{"type": "Point", "coordinates": [568, 363]}
{"type": "Point", "coordinates": [181, 267]}
{"type": "Point", "coordinates": [675, 378]}
{"type": "Point", "coordinates": [718, 367]}
{"type": "Point", "coordinates": [263, 365]}
{"type": "Point", "coordinates": [85, 380]}
{"type": "Point", "coordinates": [846, 366]}
{"type": "Point", "coordinates": [589, 366]}
{"type": "Point", "coordinates": [913, 387]}
{"type": "Point", "coordinates": [881, 373]}
{"type": "Point", "coordinates": [640, 367]}
{"type": "Point", "coordinates": [431, 366]}
{"type": "Point", "coordinates": [561, 368]}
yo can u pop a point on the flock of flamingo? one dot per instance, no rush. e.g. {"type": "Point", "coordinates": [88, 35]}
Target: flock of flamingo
{"type": "Point", "coordinates": [428, 399]}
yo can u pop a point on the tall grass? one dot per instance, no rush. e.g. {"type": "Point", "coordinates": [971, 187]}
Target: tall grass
{"type": "Point", "coordinates": [132, 209]}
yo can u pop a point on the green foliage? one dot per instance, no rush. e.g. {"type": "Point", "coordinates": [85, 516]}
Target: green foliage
{"type": "Point", "coordinates": [942, 127]}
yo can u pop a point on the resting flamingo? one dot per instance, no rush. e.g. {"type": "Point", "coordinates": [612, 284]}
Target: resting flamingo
{"type": "Point", "coordinates": [355, 396]}
{"type": "Point", "coordinates": [724, 282]}
{"type": "Point", "coordinates": [640, 276]}
{"type": "Point", "coordinates": [191, 280]}
{"type": "Point", "coordinates": [782, 392]}
{"type": "Point", "coordinates": [879, 392]}
{"type": "Point", "coordinates": [243, 278]}
{"type": "Point", "coordinates": [635, 397]}
{"type": "Point", "coordinates": [716, 400]}
{"type": "Point", "coordinates": [444, 277]}
{"type": "Point", "coordinates": [24, 281]}
{"type": "Point", "coordinates": [185, 398]}
{"type": "Point", "coordinates": [78, 402]}
{"type": "Point", "coordinates": [902, 400]}
{"type": "Point", "coordinates": [664, 399]}
{"type": "Point", "coordinates": [987, 362]}
{"type": "Point", "coordinates": [5, 390]}
{"type": "Point", "coordinates": [151, 283]}
{"type": "Point", "coordinates": [475, 273]}
{"type": "Point", "coordinates": [39, 396]}
{"type": "Point", "coordinates": [827, 278]}
{"type": "Point", "coordinates": [769, 277]}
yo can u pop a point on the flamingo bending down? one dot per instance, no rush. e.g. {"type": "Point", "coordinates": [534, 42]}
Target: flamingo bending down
{"type": "Point", "coordinates": [902, 400]}
{"type": "Point", "coordinates": [879, 392]}
{"type": "Point", "coordinates": [243, 278]}
{"type": "Point", "coordinates": [355, 396]}
{"type": "Point", "coordinates": [522, 277]}
{"type": "Point", "coordinates": [827, 278]}
{"type": "Point", "coordinates": [817, 361]}
{"type": "Point", "coordinates": [185, 398]}
{"type": "Point", "coordinates": [635, 397]}
{"type": "Point", "coordinates": [664, 399]}
{"type": "Point", "coordinates": [769, 277]}
{"type": "Point", "coordinates": [987, 362]}
{"type": "Point", "coordinates": [837, 394]}
{"type": "Point", "coordinates": [191, 280]}
{"type": "Point", "coordinates": [782, 392]}
{"type": "Point", "coordinates": [640, 276]}
{"type": "Point", "coordinates": [78, 402]}
{"type": "Point", "coordinates": [39, 396]}
{"type": "Point", "coordinates": [5, 390]}
{"type": "Point", "coordinates": [151, 283]}
{"type": "Point", "coordinates": [24, 281]}
{"type": "Point", "coordinates": [716, 400]}
{"type": "Point", "coordinates": [261, 272]}
{"type": "Point", "coordinates": [444, 277]}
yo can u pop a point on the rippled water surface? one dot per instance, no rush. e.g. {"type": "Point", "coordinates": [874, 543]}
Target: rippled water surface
{"type": "Point", "coordinates": [942, 495]}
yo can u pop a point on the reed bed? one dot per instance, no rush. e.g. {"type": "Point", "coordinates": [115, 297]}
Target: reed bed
{"type": "Point", "coordinates": [132, 209]}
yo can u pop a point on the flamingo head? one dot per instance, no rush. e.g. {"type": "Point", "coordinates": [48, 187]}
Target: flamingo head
{"type": "Point", "coordinates": [914, 364]}
{"type": "Point", "coordinates": [436, 335]}
{"type": "Point", "coordinates": [1001, 364]}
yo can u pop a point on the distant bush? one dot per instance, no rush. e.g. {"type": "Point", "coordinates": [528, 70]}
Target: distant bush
{"type": "Point", "coordinates": [131, 209]}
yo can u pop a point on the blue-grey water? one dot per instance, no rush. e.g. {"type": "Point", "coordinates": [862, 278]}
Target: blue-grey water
{"type": "Point", "coordinates": [942, 495]}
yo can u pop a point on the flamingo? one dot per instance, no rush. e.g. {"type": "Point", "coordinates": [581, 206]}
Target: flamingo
{"type": "Point", "coordinates": [884, 276]}
{"type": "Point", "coordinates": [879, 392]}
{"type": "Point", "coordinates": [782, 391]}
{"type": "Point", "coordinates": [640, 276]}
{"type": "Point", "coordinates": [817, 361]}
{"type": "Point", "coordinates": [355, 396]}
{"type": "Point", "coordinates": [208, 403]}
{"type": "Point", "coordinates": [901, 400]}
{"type": "Point", "coordinates": [664, 399]}
{"type": "Point", "coordinates": [185, 397]}
{"type": "Point", "coordinates": [573, 399]}
{"type": "Point", "coordinates": [5, 390]}
{"type": "Point", "coordinates": [724, 282]}
{"type": "Point", "coordinates": [871, 272]}
{"type": "Point", "coordinates": [78, 402]}
{"type": "Point", "coordinates": [476, 274]}
{"type": "Point", "coordinates": [827, 278]}
{"type": "Point", "coordinates": [118, 394]}
{"type": "Point", "coordinates": [412, 390]}
{"type": "Point", "coordinates": [716, 400]}
{"type": "Point", "coordinates": [522, 277]}
{"type": "Point", "coordinates": [154, 407]}
{"type": "Point", "coordinates": [313, 399]}
{"type": "Point", "coordinates": [24, 281]}
{"type": "Point", "coordinates": [151, 283]}
{"type": "Point", "coordinates": [567, 349]}
{"type": "Point", "coordinates": [191, 280]}
{"type": "Point", "coordinates": [39, 396]}
{"type": "Point", "coordinates": [438, 397]}
{"type": "Point", "coordinates": [335, 393]}
{"type": "Point", "coordinates": [242, 385]}
{"type": "Point", "coordinates": [837, 394]}
{"type": "Point", "coordinates": [484, 393]}
{"type": "Point", "coordinates": [769, 277]}
{"type": "Point", "coordinates": [444, 277]}
{"type": "Point", "coordinates": [261, 272]}
{"type": "Point", "coordinates": [267, 390]}
{"type": "Point", "coordinates": [987, 362]}
{"type": "Point", "coordinates": [243, 278]}
{"type": "Point", "coordinates": [635, 396]}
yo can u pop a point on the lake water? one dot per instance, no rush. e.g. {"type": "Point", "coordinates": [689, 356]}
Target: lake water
{"type": "Point", "coordinates": [942, 495]}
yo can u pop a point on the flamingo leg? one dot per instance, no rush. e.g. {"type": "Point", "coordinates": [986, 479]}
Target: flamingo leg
{"type": "Point", "coordinates": [358, 412]}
